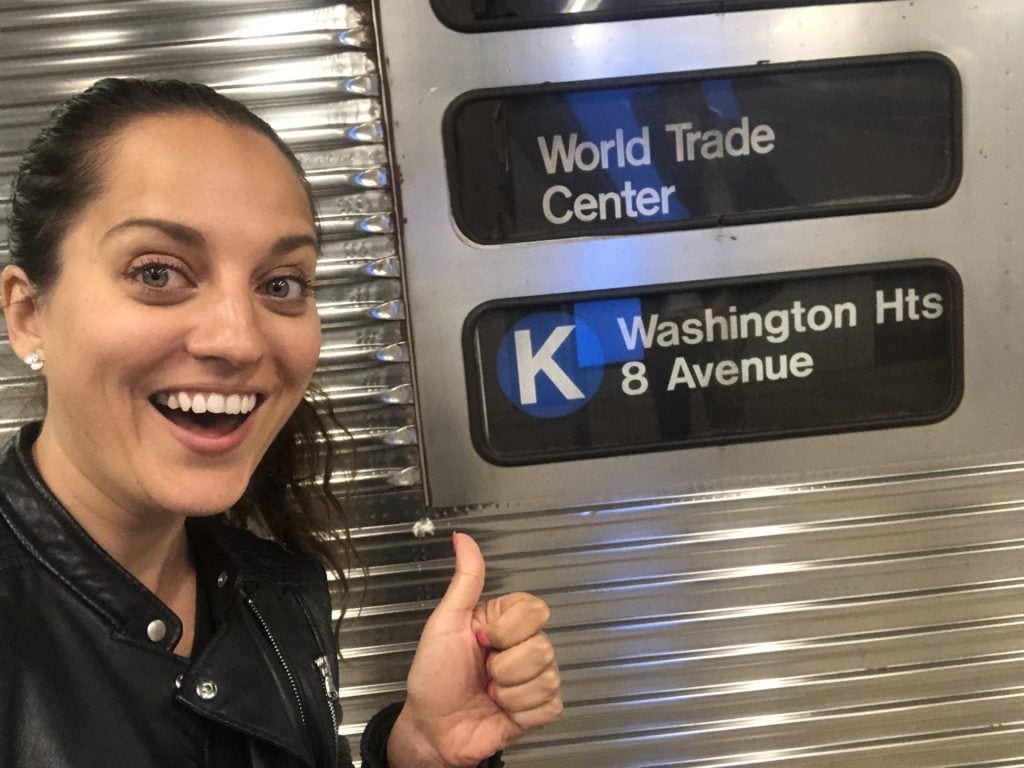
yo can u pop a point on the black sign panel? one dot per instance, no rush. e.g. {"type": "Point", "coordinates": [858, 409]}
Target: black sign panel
{"type": "Point", "coordinates": [704, 149]}
{"type": "Point", "coordinates": [486, 15]}
{"type": "Point", "coordinates": [614, 372]}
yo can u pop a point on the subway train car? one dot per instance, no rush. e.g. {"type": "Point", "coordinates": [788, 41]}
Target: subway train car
{"type": "Point", "coordinates": [702, 316]}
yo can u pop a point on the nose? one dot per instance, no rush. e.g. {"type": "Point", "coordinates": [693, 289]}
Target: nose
{"type": "Point", "coordinates": [227, 327]}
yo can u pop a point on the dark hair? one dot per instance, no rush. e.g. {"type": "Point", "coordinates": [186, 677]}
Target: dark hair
{"type": "Point", "coordinates": [289, 494]}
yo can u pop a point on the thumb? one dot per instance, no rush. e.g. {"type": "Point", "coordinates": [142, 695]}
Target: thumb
{"type": "Point", "coordinates": [468, 582]}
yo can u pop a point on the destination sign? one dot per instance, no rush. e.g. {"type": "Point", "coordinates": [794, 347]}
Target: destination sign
{"type": "Point", "coordinates": [704, 149]}
{"type": "Point", "coordinates": [627, 371]}
{"type": "Point", "coordinates": [487, 15]}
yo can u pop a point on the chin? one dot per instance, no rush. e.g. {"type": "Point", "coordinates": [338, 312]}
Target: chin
{"type": "Point", "coordinates": [193, 500]}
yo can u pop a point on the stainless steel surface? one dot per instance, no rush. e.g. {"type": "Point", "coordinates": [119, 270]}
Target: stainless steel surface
{"type": "Point", "coordinates": [855, 624]}
{"type": "Point", "coordinates": [851, 600]}
{"type": "Point", "coordinates": [978, 232]}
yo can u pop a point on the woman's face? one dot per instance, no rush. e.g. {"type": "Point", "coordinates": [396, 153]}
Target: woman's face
{"type": "Point", "coordinates": [182, 289]}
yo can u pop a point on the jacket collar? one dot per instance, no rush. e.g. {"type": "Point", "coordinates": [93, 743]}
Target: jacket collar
{"type": "Point", "coordinates": [61, 545]}
{"type": "Point", "coordinates": [55, 539]}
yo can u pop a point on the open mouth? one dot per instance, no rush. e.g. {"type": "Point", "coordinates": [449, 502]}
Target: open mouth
{"type": "Point", "coordinates": [208, 414]}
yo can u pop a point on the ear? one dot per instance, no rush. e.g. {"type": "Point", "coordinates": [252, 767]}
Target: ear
{"type": "Point", "coordinates": [21, 310]}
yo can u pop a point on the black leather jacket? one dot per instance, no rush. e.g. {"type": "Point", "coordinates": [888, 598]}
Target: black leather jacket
{"type": "Point", "coordinates": [87, 673]}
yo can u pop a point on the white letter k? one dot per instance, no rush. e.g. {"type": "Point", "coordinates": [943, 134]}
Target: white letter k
{"type": "Point", "coordinates": [530, 364]}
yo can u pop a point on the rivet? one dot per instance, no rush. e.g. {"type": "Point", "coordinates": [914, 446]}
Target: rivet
{"type": "Point", "coordinates": [222, 579]}
{"type": "Point", "coordinates": [178, 680]}
{"type": "Point", "coordinates": [206, 689]}
{"type": "Point", "coordinates": [156, 631]}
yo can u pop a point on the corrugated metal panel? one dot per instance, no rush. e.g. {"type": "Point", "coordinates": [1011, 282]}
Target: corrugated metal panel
{"type": "Point", "coordinates": [867, 624]}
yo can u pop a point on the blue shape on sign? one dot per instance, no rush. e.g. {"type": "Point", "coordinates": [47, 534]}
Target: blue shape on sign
{"type": "Point", "coordinates": [538, 365]}
{"type": "Point", "coordinates": [599, 114]}
{"type": "Point", "coordinates": [721, 99]}
{"type": "Point", "coordinates": [603, 318]}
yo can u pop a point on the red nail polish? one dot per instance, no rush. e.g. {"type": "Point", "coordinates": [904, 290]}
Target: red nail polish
{"type": "Point", "coordinates": [482, 638]}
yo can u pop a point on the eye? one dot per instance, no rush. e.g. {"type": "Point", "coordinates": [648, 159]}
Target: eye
{"type": "Point", "coordinates": [158, 275]}
{"type": "Point", "coordinates": [155, 275]}
{"type": "Point", "coordinates": [286, 287]}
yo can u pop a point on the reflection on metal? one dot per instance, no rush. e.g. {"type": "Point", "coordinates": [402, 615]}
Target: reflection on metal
{"type": "Point", "coordinates": [873, 623]}
{"type": "Point", "coordinates": [822, 602]}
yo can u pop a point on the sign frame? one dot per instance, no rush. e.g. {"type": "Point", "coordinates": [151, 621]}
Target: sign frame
{"type": "Point", "coordinates": [475, 389]}
{"type": "Point", "coordinates": [463, 227]}
{"type": "Point", "coordinates": [556, 19]}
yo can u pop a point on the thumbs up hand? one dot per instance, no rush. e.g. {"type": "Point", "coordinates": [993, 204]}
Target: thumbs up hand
{"type": "Point", "coordinates": [482, 675]}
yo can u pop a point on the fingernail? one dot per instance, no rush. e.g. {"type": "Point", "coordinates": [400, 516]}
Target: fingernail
{"type": "Point", "coordinates": [490, 690]}
{"type": "Point", "coordinates": [482, 639]}
{"type": "Point", "coordinates": [455, 540]}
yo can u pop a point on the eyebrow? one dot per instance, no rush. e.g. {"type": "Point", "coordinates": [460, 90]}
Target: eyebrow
{"type": "Point", "coordinates": [184, 234]}
{"type": "Point", "coordinates": [193, 238]}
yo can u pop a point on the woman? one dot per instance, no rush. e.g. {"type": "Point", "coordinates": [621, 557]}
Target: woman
{"type": "Point", "coordinates": [163, 247]}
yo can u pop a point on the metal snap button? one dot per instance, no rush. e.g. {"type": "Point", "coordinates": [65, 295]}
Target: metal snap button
{"type": "Point", "coordinates": [206, 689]}
{"type": "Point", "coordinates": [156, 631]}
{"type": "Point", "coordinates": [222, 579]}
{"type": "Point", "coordinates": [178, 680]}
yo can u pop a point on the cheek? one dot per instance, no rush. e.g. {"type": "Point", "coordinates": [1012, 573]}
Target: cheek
{"type": "Point", "coordinates": [100, 344]}
{"type": "Point", "coordinates": [299, 352]}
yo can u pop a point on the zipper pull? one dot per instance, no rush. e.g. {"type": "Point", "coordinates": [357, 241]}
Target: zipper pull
{"type": "Point", "coordinates": [325, 672]}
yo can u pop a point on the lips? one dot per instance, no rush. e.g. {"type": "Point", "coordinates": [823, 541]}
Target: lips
{"type": "Point", "coordinates": [206, 415]}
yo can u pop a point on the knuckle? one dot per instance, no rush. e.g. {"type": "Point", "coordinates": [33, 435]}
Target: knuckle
{"type": "Point", "coordinates": [532, 606]}
{"type": "Point", "coordinates": [557, 707]}
{"type": "Point", "coordinates": [551, 682]}
{"type": "Point", "coordinates": [544, 652]}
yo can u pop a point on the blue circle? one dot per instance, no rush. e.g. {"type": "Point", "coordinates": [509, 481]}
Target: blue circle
{"type": "Point", "coordinates": [561, 385]}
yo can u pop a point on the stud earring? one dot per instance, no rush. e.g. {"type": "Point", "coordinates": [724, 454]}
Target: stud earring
{"type": "Point", "coordinates": [35, 360]}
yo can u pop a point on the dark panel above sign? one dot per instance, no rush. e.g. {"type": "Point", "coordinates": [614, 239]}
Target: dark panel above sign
{"type": "Point", "coordinates": [645, 369]}
{"type": "Point", "coordinates": [488, 15]}
{"type": "Point", "coordinates": [704, 149]}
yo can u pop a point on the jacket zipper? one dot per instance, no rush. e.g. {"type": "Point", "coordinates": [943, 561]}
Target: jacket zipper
{"type": "Point", "coordinates": [281, 659]}
{"type": "Point", "coordinates": [325, 672]}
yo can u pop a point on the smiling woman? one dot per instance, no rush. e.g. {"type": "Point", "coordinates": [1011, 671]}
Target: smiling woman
{"type": "Point", "coordinates": [164, 245]}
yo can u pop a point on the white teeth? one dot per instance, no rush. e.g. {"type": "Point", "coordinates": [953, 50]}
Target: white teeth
{"type": "Point", "coordinates": [208, 402]}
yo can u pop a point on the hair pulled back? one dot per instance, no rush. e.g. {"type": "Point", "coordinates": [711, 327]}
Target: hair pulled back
{"type": "Point", "coordinates": [289, 495]}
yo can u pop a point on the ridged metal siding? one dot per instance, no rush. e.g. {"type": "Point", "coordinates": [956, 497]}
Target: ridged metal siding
{"type": "Point", "coordinates": [871, 623]}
